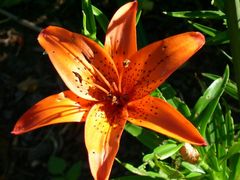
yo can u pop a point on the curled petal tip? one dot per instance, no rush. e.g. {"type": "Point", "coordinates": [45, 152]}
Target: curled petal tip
{"type": "Point", "coordinates": [199, 37]}
{"type": "Point", "coordinates": [202, 143]}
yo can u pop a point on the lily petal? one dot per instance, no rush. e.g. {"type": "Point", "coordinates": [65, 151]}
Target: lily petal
{"type": "Point", "coordinates": [152, 65]}
{"type": "Point", "coordinates": [103, 130]}
{"type": "Point", "coordinates": [158, 115]}
{"type": "Point", "coordinates": [85, 67]}
{"type": "Point", "coordinates": [58, 108]}
{"type": "Point", "coordinates": [121, 38]}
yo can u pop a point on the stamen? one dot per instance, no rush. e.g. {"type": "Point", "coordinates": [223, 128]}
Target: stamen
{"type": "Point", "coordinates": [115, 87]}
{"type": "Point", "coordinates": [126, 63]}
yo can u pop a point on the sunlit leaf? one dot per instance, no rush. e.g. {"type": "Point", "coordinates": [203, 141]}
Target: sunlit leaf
{"type": "Point", "coordinates": [101, 18]}
{"type": "Point", "coordinates": [231, 87]}
{"type": "Point", "coordinates": [204, 14]}
{"type": "Point", "coordinates": [143, 135]}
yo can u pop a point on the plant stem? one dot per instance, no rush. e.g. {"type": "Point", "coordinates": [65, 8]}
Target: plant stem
{"type": "Point", "coordinates": [23, 22]}
{"type": "Point", "coordinates": [233, 21]}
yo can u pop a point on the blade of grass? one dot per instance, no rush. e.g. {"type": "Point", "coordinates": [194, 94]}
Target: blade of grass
{"type": "Point", "coordinates": [231, 87]}
{"type": "Point", "coordinates": [89, 25]}
{"type": "Point", "coordinates": [204, 117]}
{"type": "Point", "coordinates": [101, 18]}
{"type": "Point", "coordinates": [204, 14]}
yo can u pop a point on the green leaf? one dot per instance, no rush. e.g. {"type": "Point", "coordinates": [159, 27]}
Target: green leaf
{"type": "Point", "coordinates": [56, 165]}
{"type": "Point", "coordinates": [204, 14]}
{"type": "Point", "coordinates": [234, 149]}
{"type": "Point", "coordinates": [101, 18]}
{"type": "Point", "coordinates": [212, 159]}
{"type": "Point", "coordinates": [205, 29]}
{"type": "Point", "coordinates": [89, 25]}
{"type": "Point", "coordinates": [167, 91]}
{"type": "Point", "coordinates": [137, 171]}
{"type": "Point", "coordinates": [219, 38]}
{"type": "Point", "coordinates": [231, 87]}
{"type": "Point", "coordinates": [74, 172]}
{"type": "Point", "coordinates": [134, 178]}
{"type": "Point", "coordinates": [194, 175]}
{"type": "Point", "coordinates": [209, 101]}
{"type": "Point", "coordinates": [157, 93]}
{"type": "Point", "coordinates": [229, 125]}
{"type": "Point", "coordinates": [220, 4]}
{"type": "Point", "coordinates": [210, 93]}
{"type": "Point", "coordinates": [166, 150]}
{"type": "Point", "coordinates": [220, 128]}
{"type": "Point", "coordinates": [235, 166]}
{"type": "Point", "coordinates": [169, 171]}
{"type": "Point", "coordinates": [193, 167]}
{"type": "Point", "coordinates": [146, 137]}
{"type": "Point", "coordinates": [181, 106]}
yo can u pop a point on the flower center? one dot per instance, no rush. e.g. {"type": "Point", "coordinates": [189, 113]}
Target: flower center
{"type": "Point", "coordinates": [117, 99]}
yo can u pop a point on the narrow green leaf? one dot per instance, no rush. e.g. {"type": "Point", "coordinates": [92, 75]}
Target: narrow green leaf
{"type": "Point", "coordinates": [182, 107]}
{"type": "Point", "coordinates": [134, 178]}
{"type": "Point", "coordinates": [231, 87]}
{"type": "Point", "coordinates": [204, 14]}
{"type": "Point", "coordinates": [193, 167]}
{"type": "Point", "coordinates": [210, 100]}
{"type": "Point", "coordinates": [169, 171]}
{"type": "Point", "coordinates": [137, 171]}
{"type": "Point", "coordinates": [89, 25]}
{"type": "Point", "coordinates": [194, 175]}
{"type": "Point", "coordinates": [219, 38]}
{"type": "Point", "coordinates": [235, 166]}
{"type": "Point", "coordinates": [210, 93]}
{"type": "Point", "coordinates": [212, 159]}
{"type": "Point", "coordinates": [166, 150]}
{"type": "Point", "coordinates": [167, 91]}
{"type": "Point", "coordinates": [101, 18]}
{"type": "Point", "coordinates": [230, 125]}
{"type": "Point", "coordinates": [220, 128]}
{"type": "Point", "coordinates": [149, 138]}
{"type": "Point", "coordinates": [205, 29]}
{"type": "Point", "coordinates": [234, 149]}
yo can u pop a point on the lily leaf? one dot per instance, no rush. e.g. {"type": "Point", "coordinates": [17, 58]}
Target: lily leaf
{"type": "Point", "coordinates": [193, 167]}
{"type": "Point", "coordinates": [231, 87]}
{"type": "Point", "coordinates": [217, 37]}
{"type": "Point", "coordinates": [89, 25]}
{"type": "Point", "coordinates": [205, 29]}
{"type": "Point", "coordinates": [101, 18]}
{"type": "Point", "coordinates": [169, 171]}
{"type": "Point", "coordinates": [135, 178]}
{"type": "Point", "coordinates": [212, 92]}
{"type": "Point", "coordinates": [235, 149]}
{"type": "Point", "coordinates": [204, 14]}
{"type": "Point", "coordinates": [137, 171]}
{"type": "Point", "coordinates": [143, 135]}
{"type": "Point", "coordinates": [165, 151]}
{"type": "Point", "coordinates": [205, 106]}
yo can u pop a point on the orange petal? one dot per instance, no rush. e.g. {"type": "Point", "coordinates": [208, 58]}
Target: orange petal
{"type": "Point", "coordinates": [158, 115]}
{"type": "Point", "coordinates": [84, 66]}
{"type": "Point", "coordinates": [103, 130]}
{"type": "Point", "coordinates": [120, 39]}
{"type": "Point", "coordinates": [59, 108]}
{"type": "Point", "coordinates": [152, 65]}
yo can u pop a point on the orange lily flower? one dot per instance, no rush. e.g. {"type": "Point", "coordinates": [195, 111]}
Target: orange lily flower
{"type": "Point", "coordinates": [111, 85]}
